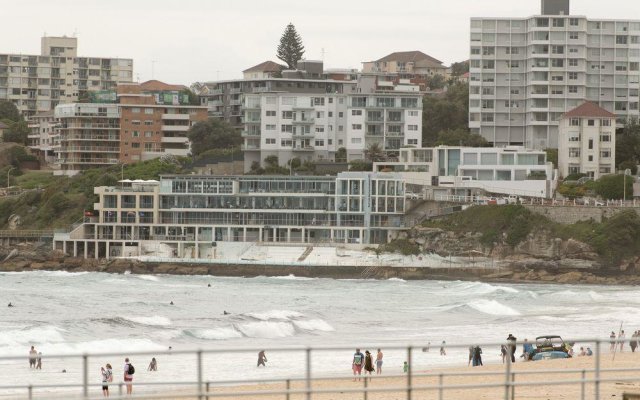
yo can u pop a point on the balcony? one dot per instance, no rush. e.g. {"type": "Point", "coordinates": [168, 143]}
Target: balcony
{"type": "Point", "coordinates": [304, 148]}
{"type": "Point", "coordinates": [181, 117]}
{"type": "Point", "coordinates": [89, 149]}
{"type": "Point", "coordinates": [252, 106]}
{"type": "Point", "coordinates": [175, 128]}
{"type": "Point", "coordinates": [173, 139]}
{"type": "Point", "coordinates": [304, 121]}
{"type": "Point", "coordinates": [250, 147]}
{"type": "Point", "coordinates": [250, 133]}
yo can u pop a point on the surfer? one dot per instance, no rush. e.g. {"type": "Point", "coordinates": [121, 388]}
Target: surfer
{"type": "Point", "coordinates": [10, 305]}
{"type": "Point", "coordinates": [208, 285]}
{"type": "Point", "coordinates": [226, 313]}
{"type": "Point", "coordinates": [171, 303]}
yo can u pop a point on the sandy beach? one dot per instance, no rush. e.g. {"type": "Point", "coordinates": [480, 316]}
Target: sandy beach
{"type": "Point", "coordinates": [538, 390]}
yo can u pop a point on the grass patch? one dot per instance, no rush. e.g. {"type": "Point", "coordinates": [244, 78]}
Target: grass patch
{"type": "Point", "coordinates": [402, 246]}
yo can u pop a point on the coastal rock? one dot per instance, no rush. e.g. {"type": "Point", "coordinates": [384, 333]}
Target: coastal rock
{"type": "Point", "coordinates": [570, 277]}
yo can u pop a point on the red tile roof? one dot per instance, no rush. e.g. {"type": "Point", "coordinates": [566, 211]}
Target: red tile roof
{"type": "Point", "coordinates": [408, 56]}
{"type": "Point", "coordinates": [589, 109]}
{"type": "Point", "coordinates": [155, 85]}
{"type": "Point", "coordinates": [267, 66]}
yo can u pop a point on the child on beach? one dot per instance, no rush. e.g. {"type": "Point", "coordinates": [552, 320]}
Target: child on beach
{"type": "Point", "coordinates": [405, 367]}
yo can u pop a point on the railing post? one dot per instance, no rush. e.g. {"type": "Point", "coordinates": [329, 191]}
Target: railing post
{"type": "Point", "coordinates": [85, 376]}
{"type": "Point", "coordinates": [199, 359]}
{"type": "Point", "coordinates": [507, 374]}
{"type": "Point", "coordinates": [513, 387]}
{"type": "Point", "coordinates": [288, 388]}
{"type": "Point", "coordinates": [207, 388]}
{"type": "Point", "coordinates": [120, 389]}
{"type": "Point", "coordinates": [584, 375]}
{"type": "Point", "coordinates": [365, 388]}
{"type": "Point", "coordinates": [409, 373]}
{"type": "Point", "coordinates": [30, 390]}
{"type": "Point", "coordinates": [308, 374]}
{"type": "Point", "coordinates": [596, 376]}
{"type": "Point", "coordinates": [440, 386]}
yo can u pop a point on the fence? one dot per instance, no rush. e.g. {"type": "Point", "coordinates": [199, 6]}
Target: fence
{"type": "Point", "coordinates": [503, 381]}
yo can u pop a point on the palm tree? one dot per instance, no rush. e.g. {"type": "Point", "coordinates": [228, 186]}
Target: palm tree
{"type": "Point", "coordinates": [374, 153]}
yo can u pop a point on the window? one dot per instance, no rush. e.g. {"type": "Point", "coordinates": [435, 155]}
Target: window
{"type": "Point", "coordinates": [557, 49]}
{"type": "Point", "coordinates": [605, 138]}
{"type": "Point", "coordinates": [574, 152]}
{"type": "Point", "coordinates": [148, 123]}
{"type": "Point", "coordinates": [148, 146]}
{"type": "Point", "coordinates": [605, 154]}
{"type": "Point", "coordinates": [148, 110]}
{"type": "Point", "coordinates": [488, 51]}
{"type": "Point", "coordinates": [557, 62]}
{"type": "Point", "coordinates": [340, 114]}
{"type": "Point", "coordinates": [487, 117]}
{"type": "Point", "coordinates": [340, 128]}
{"type": "Point", "coordinates": [412, 127]}
{"type": "Point", "coordinates": [515, 91]}
{"type": "Point", "coordinates": [135, 134]}
{"type": "Point", "coordinates": [573, 21]}
{"type": "Point", "coordinates": [356, 112]}
{"type": "Point", "coordinates": [329, 142]}
{"type": "Point", "coordinates": [573, 76]}
{"type": "Point", "coordinates": [330, 114]}
{"type": "Point", "coordinates": [590, 158]}
{"type": "Point", "coordinates": [558, 22]}
{"type": "Point", "coordinates": [591, 122]}
{"type": "Point", "coordinates": [574, 122]}
{"type": "Point", "coordinates": [412, 141]}
{"type": "Point", "coordinates": [487, 104]}
{"type": "Point", "coordinates": [512, 50]}
{"type": "Point", "coordinates": [148, 134]}
{"type": "Point", "coordinates": [330, 100]}
{"type": "Point", "coordinates": [356, 140]}
{"type": "Point", "coordinates": [286, 143]}
{"type": "Point", "coordinates": [135, 122]}
{"type": "Point", "coordinates": [413, 113]}
{"type": "Point", "coordinates": [270, 141]}
{"type": "Point", "coordinates": [286, 128]}
{"type": "Point", "coordinates": [573, 89]}
{"type": "Point", "coordinates": [270, 113]}
{"type": "Point", "coordinates": [476, 50]}
{"type": "Point", "coordinates": [573, 35]}
{"type": "Point", "coordinates": [319, 129]}
{"type": "Point", "coordinates": [356, 127]}
{"type": "Point", "coordinates": [287, 115]}
{"type": "Point", "coordinates": [514, 64]}
{"type": "Point", "coordinates": [605, 122]}
{"type": "Point", "coordinates": [319, 114]}
{"type": "Point", "coordinates": [135, 110]}
{"type": "Point", "coordinates": [590, 145]}
{"type": "Point", "coordinates": [557, 78]}
{"type": "Point", "coordinates": [318, 101]}
{"type": "Point", "coordinates": [573, 62]}
{"type": "Point", "coordinates": [135, 145]}
{"type": "Point", "coordinates": [573, 50]}
{"type": "Point", "coordinates": [621, 39]}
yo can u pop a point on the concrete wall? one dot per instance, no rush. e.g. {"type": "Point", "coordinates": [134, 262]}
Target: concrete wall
{"type": "Point", "coordinates": [572, 214]}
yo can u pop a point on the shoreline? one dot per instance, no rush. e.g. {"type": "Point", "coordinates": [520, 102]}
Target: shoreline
{"type": "Point", "coordinates": [510, 274]}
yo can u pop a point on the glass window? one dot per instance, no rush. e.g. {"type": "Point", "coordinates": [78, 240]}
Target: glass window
{"type": "Point", "coordinates": [489, 159]}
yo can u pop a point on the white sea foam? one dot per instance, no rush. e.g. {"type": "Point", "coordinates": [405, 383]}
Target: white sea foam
{"type": "Point", "coordinates": [151, 278]}
{"type": "Point", "coordinates": [479, 288]}
{"type": "Point", "coordinates": [216, 333]}
{"type": "Point", "coordinates": [266, 329]}
{"type": "Point", "coordinates": [35, 335]}
{"type": "Point", "coordinates": [155, 320]}
{"type": "Point", "coordinates": [492, 307]}
{"type": "Point", "coordinates": [314, 325]}
{"type": "Point", "coordinates": [396, 280]}
{"type": "Point", "coordinates": [292, 277]}
{"type": "Point", "coordinates": [275, 314]}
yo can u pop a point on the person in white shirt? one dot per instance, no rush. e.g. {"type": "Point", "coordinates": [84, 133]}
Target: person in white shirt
{"type": "Point", "coordinates": [107, 376]}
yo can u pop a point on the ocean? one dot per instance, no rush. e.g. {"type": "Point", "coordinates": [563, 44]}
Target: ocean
{"type": "Point", "coordinates": [60, 313]}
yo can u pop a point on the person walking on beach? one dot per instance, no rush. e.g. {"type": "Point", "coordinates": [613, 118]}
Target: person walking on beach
{"type": "Point", "coordinates": [107, 376]}
{"type": "Point", "coordinates": [612, 341]}
{"type": "Point", "coordinates": [634, 341]}
{"type": "Point", "coordinates": [153, 365]}
{"type": "Point", "coordinates": [33, 355]}
{"type": "Point", "coordinates": [621, 337]}
{"type": "Point", "coordinates": [503, 353]}
{"type": "Point", "coordinates": [379, 362]}
{"type": "Point", "coordinates": [511, 340]}
{"type": "Point", "coordinates": [39, 361]}
{"type": "Point", "coordinates": [368, 364]}
{"type": "Point", "coordinates": [405, 367]}
{"type": "Point", "coordinates": [443, 352]}
{"type": "Point", "coordinates": [356, 364]}
{"type": "Point", "coordinates": [128, 375]}
{"type": "Point", "coordinates": [477, 356]}
{"type": "Point", "coordinates": [262, 359]}
{"type": "Point", "coordinates": [527, 348]}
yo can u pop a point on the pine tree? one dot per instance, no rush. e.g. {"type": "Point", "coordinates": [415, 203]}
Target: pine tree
{"type": "Point", "coordinates": [290, 49]}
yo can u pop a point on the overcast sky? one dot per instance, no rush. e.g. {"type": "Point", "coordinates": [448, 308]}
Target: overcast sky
{"type": "Point", "coordinates": [204, 40]}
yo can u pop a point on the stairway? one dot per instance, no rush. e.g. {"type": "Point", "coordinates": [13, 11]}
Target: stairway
{"type": "Point", "coordinates": [305, 254]}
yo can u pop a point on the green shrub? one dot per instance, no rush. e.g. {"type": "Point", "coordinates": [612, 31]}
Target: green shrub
{"type": "Point", "coordinates": [402, 246]}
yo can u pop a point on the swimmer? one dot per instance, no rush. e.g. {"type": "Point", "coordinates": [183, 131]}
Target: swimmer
{"type": "Point", "coordinates": [10, 305]}
{"type": "Point", "coordinates": [171, 303]}
{"type": "Point", "coordinates": [225, 313]}
{"type": "Point", "coordinates": [208, 285]}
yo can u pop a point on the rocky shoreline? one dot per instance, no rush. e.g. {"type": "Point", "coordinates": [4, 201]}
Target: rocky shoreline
{"type": "Point", "coordinates": [33, 257]}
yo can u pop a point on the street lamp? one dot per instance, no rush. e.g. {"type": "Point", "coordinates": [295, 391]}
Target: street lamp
{"type": "Point", "coordinates": [8, 172]}
{"type": "Point", "coordinates": [627, 172]}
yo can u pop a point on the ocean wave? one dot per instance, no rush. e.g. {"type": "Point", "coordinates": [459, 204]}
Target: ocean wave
{"type": "Point", "coordinates": [215, 333]}
{"type": "Point", "coordinates": [155, 320]}
{"type": "Point", "coordinates": [266, 329]}
{"type": "Point", "coordinates": [151, 278]}
{"type": "Point", "coordinates": [292, 277]}
{"type": "Point", "coordinates": [480, 288]}
{"type": "Point", "coordinates": [396, 280]}
{"type": "Point", "coordinates": [314, 325]}
{"type": "Point", "coordinates": [94, 346]}
{"type": "Point", "coordinates": [275, 314]}
{"type": "Point", "coordinates": [492, 307]}
{"type": "Point", "coordinates": [32, 335]}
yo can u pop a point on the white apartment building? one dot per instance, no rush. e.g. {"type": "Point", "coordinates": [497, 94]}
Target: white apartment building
{"type": "Point", "coordinates": [526, 72]}
{"type": "Point", "coordinates": [439, 172]}
{"type": "Point", "coordinates": [313, 127]}
{"type": "Point", "coordinates": [44, 136]}
{"type": "Point", "coordinates": [37, 83]}
{"type": "Point", "coordinates": [587, 141]}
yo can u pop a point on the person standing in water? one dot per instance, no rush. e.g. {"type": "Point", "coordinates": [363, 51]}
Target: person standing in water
{"type": "Point", "coordinates": [153, 365]}
{"type": "Point", "coordinates": [442, 350]}
{"type": "Point", "coordinates": [621, 337]}
{"type": "Point", "coordinates": [379, 362]}
{"type": "Point", "coordinates": [39, 361]}
{"type": "Point", "coordinates": [612, 341]}
{"type": "Point", "coordinates": [262, 359]}
{"type": "Point", "coordinates": [33, 355]}
{"type": "Point", "coordinates": [511, 340]}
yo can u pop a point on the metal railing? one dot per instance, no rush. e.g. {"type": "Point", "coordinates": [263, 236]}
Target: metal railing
{"type": "Point", "coordinates": [498, 383]}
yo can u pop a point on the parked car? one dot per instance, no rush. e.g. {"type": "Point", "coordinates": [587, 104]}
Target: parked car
{"type": "Point", "coordinates": [549, 347]}
{"type": "Point", "coordinates": [412, 196]}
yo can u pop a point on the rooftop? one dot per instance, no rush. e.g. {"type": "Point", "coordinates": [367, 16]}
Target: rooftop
{"type": "Point", "coordinates": [408, 56]}
{"type": "Point", "coordinates": [155, 85]}
{"type": "Point", "coordinates": [588, 109]}
{"type": "Point", "coordinates": [267, 66]}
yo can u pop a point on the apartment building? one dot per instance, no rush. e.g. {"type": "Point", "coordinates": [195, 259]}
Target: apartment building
{"type": "Point", "coordinates": [587, 141]}
{"type": "Point", "coordinates": [406, 64]}
{"type": "Point", "coordinates": [38, 83]}
{"type": "Point", "coordinates": [146, 121]}
{"type": "Point", "coordinates": [526, 72]}
{"type": "Point", "coordinates": [444, 171]}
{"type": "Point", "coordinates": [264, 70]}
{"type": "Point", "coordinates": [44, 135]}
{"type": "Point", "coordinates": [194, 216]}
{"type": "Point", "coordinates": [315, 127]}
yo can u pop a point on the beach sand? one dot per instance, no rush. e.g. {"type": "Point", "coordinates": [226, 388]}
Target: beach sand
{"type": "Point", "coordinates": [538, 390]}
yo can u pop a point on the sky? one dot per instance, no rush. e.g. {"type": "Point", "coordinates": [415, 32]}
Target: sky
{"type": "Point", "coordinates": [188, 41]}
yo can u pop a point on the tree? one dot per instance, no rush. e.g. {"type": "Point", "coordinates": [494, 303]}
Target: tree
{"type": "Point", "coordinates": [212, 134]}
{"type": "Point", "coordinates": [461, 137]}
{"type": "Point", "coordinates": [374, 153]}
{"type": "Point", "coordinates": [18, 132]}
{"type": "Point", "coordinates": [436, 82]}
{"type": "Point", "coordinates": [290, 49]}
{"type": "Point", "coordinates": [272, 166]}
{"type": "Point", "coordinates": [341, 155]}
{"type": "Point", "coordinates": [628, 143]}
{"type": "Point", "coordinates": [194, 100]}
{"type": "Point", "coordinates": [448, 112]}
{"type": "Point", "coordinates": [9, 112]}
{"type": "Point", "coordinates": [360, 165]}
{"type": "Point", "coordinates": [610, 186]}
{"type": "Point", "coordinates": [552, 156]}
{"type": "Point", "coordinates": [459, 68]}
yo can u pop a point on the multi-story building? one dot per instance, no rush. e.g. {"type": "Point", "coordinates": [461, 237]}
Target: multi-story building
{"type": "Point", "coordinates": [445, 171]}
{"type": "Point", "coordinates": [264, 70]}
{"type": "Point", "coordinates": [194, 216]}
{"type": "Point", "coordinates": [37, 83]}
{"type": "Point", "coordinates": [526, 72]}
{"type": "Point", "coordinates": [315, 127]}
{"type": "Point", "coordinates": [44, 135]}
{"type": "Point", "coordinates": [406, 64]}
{"type": "Point", "coordinates": [587, 141]}
{"type": "Point", "coordinates": [145, 121]}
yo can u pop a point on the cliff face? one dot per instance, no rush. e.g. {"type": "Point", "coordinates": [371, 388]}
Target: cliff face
{"type": "Point", "coordinates": [538, 250]}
